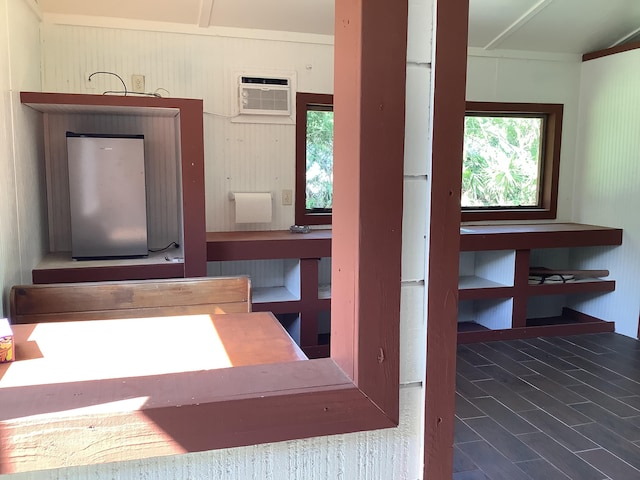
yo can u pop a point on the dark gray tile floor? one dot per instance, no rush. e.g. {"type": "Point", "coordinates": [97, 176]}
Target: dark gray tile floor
{"type": "Point", "coordinates": [548, 408]}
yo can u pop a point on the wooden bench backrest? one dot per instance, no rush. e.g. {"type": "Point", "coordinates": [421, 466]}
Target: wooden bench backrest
{"type": "Point", "coordinates": [140, 298]}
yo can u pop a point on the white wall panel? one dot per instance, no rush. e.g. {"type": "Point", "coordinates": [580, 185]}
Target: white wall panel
{"type": "Point", "coordinates": [21, 180]}
{"type": "Point", "coordinates": [417, 139]}
{"type": "Point", "coordinates": [238, 156]}
{"type": "Point", "coordinates": [606, 182]}
{"type": "Point", "coordinates": [420, 31]}
{"type": "Point", "coordinates": [414, 228]}
{"type": "Point", "coordinates": [9, 244]}
{"type": "Point", "coordinates": [412, 332]}
{"type": "Point", "coordinates": [502, 79]}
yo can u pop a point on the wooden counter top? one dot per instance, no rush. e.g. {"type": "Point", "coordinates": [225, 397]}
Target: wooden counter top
{"type": "Point", "coordinates": [273, 244]}
{"type": "Point", "coordinates": [539, 235]}
{"type": "Point", "coordinates": [58, 352]}
{"type": "Point", "coordinates": [79, 388]}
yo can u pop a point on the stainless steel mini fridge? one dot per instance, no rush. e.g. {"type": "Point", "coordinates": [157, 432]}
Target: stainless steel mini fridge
{"type": "Point", "coordinates": [107, 196]}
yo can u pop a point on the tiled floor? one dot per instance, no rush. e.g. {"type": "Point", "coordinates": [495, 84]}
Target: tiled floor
{"type": "Point", "coordinates": [549, 408]}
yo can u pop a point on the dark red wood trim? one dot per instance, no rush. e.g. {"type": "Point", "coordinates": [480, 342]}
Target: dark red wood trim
{"type": "Point", "coordinates": [520, 282]}
{"type": "Point", "coordinates": [532, 332]}
{"type": "Point", "coordinates": [103, 274]}
{"type": "Point", "coordinates": [550, 159]}
{"type": "Point", "coordinates": [450, 66]}
{"type": "Point", "coordinates": [303, 102]}
{"type": "Point", "coordinates": [541, 235]}
{"type": "Point", "coordinates": [193, 193]}
{"type": "Point", "coordinates": [485, 293]}
{"type": "Point", "coordinates": [610, 51]}
{"type": "Point", "coordinates": [369, 101]}
{"type": "Point", "coordinates": [224, 246]}
{"type": "Point", "coordinates": [309, 296]}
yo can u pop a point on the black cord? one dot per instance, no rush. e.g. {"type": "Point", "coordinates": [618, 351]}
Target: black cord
{"type": "Point", "coordinates": [165, 248]}
{"type": "Point", "coordinates": [115, 75]}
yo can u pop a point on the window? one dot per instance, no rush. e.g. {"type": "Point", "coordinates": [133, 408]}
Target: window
{"type": "Point", "coordinates": [314, 159]}
{"type": "Point", "coordinates": [511, 161]}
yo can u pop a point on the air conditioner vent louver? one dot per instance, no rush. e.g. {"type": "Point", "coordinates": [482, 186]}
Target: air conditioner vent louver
{"type": "Point", "coordinates": [264, 96]}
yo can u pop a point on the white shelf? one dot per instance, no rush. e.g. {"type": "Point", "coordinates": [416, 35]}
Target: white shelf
{"type": "Point", "coordinates": [272, 294]}
{"type": "Point", "coordinates": [467, 282]}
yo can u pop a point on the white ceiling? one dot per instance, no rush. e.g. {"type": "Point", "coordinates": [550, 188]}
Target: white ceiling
{"type": "Point", "coordinates": [558, 26]}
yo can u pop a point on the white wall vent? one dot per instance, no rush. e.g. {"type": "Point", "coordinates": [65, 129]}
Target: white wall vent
{"type": "Point", "coordinates": [264, 95]}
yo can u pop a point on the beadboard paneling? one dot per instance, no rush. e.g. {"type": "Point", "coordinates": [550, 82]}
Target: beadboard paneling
{"type": "Point", "coordinates": [21, 179]}
{"type": "Point", "coordinates": [161, 172]}
{"type": "Point", "coordinates": [238, 156]}
{"type": "Point", "coordinates": [9, 237]}
{"type": "Point", "coordinates": [414, 228]}
{"type": "Point", "coordinates": [606, 180]}
{"type": "Point", "coordinates": [503, 79]}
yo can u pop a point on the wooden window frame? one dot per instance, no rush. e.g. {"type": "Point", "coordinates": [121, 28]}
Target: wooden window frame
{"type": "Point", "coordinates": [304, 103]}
{"type": "Point", "coordinates": [550, 157]}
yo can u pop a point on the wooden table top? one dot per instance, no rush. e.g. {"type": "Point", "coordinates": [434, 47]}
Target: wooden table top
{"type": "Point", "coordinates": [61, 352]}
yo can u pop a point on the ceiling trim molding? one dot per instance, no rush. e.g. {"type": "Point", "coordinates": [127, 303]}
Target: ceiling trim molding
{"type": "Point", "coordinates": [166, 27]}
{"type": "Point", "coordinates": [206, 9]}
{"type": "Point", "coordinates": [524, 55]}
{"type": "Point", "coordinates": [519, 23]}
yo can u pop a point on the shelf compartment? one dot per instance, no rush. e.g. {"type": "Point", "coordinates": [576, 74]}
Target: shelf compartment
{"type": "Point", "coordinates": [272, 295]}
{"type": "Point", "coordinates": [491, 313]}
{"type": "Point", "coordinates": [324, 278]}
{"type": "Point", "coordinates": [272, 281]}
{"type": "Point", "coordinates": [487, 269]}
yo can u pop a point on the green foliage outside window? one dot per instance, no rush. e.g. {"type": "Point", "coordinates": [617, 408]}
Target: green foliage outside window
{"type": "Point", "coordinates": [501, 164]}
{"type": "Point", "coordinates": [319, 193]}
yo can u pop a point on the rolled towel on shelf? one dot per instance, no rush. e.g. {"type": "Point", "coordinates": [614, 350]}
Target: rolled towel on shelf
{"type": "Point", "coordinates": [538, 275]}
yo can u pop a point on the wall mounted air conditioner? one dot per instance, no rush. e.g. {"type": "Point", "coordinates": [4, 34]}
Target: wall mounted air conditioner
{"type": "Point", "coordinates": [264, 96]}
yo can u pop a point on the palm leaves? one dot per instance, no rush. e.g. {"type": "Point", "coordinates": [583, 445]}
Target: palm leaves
{"type": "Point", "coordinates": [319, 192]}
{"type": "Point", "coordinates": [501, 163]}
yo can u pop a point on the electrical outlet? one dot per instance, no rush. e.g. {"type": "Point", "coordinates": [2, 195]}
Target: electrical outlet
{"type": "Point", "coordinates": [287, 197]}
{"type": "Point", "coordinates": [137, 83]}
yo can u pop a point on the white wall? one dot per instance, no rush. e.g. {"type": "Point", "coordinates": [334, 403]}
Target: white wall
{"type": "Point", "coordinates": [22, 207]}
{"type": "Point", "coordinates": [606, 181]}
{"type": "Point", "coordinates": [238, 156]}
{"type": "Point", "coordinates": [537, 78]}
{"type": "Point", "coordinates": [600, 159]}
{"type": "Point", "coordinates": [391, 454]}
